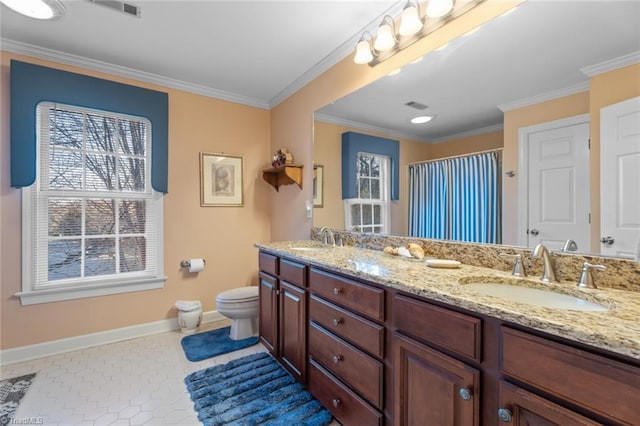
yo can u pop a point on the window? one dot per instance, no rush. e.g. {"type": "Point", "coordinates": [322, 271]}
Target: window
{"type": "Point", "coordinates": [92, 225]}
{"type": "Point", "coordinates": [369, 211]}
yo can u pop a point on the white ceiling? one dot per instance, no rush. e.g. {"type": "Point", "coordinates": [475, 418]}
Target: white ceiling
{"type": "Point", "coordinates": [538, 48]}
{"type": "Point", "coordinates": [259, 52]}
{"type": "Point", "coordinates": [254, 52]}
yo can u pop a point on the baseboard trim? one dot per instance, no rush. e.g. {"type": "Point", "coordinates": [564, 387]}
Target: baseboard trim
{"type": "Point", "coordinates": [55, 347]}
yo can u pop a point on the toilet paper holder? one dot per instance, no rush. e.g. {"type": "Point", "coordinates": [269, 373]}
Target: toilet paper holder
{"type": "Point", "coordinates": [187, 264]}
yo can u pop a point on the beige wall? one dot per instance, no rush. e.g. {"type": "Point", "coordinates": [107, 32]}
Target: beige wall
{"type": "Point", "coordinates": [467, 145]}
{"type": "Point", "coordinates": [327, 148]}
{"type": "Point", "coordinates": [224, 236]}
{"type": "Point", "coordinates": [605, 89]}
{"type": "Point", "coordinates": [292, 120]}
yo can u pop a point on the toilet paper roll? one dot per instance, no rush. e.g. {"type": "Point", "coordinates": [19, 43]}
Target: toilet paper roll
{"type": "Point", "coordinates": [196, 265]}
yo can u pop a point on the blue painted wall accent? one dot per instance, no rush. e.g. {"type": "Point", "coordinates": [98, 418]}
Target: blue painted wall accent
{"type": "Point", "coordinates": [32, 84]}
{"type": "Point", "coordinates": [352, 144]}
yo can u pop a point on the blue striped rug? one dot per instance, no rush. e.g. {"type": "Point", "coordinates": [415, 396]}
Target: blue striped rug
{"type": "Point", "coordinates": [253, 390]}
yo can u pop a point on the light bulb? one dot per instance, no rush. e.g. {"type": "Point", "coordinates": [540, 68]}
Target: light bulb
{"type": "Point", "coordinates": [410, 22]}
{"type": "Point", "coordinates": [363, 52]}
{"type": "Point", "coordinates": [385, 39]}
{"type": "Point", "coordinates": [439, 8]}
{"type": "Point", "coordinates": [420, 119]}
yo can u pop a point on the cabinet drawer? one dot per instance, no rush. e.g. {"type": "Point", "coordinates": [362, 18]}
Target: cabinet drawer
{"type": "Point", "coordinates": [451, 330]}
{"type": "Point", "coordinates": [268, 263]}
{"type": "Point", "coordinates": [363, 373]}
{"type": "Point", "coordinates": [293, 272]}
{"type": "Point", "coordinates": [347, 407]}
{"type": "Point", "coordinates": [360, 298]}
{"type": "Point", "coordinates": [365, 334]}
{"type": "Point", "coordinates": [606, 387]}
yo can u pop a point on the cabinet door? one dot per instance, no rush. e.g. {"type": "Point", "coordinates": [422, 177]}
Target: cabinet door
{"type": "Point", "coordinates": [293, 322]}
{"type": "Point", "coordinates": [521, 408]}
{"type": "Point", "coordinates": [432, 388]}
{"type": "Point", "coordinates": [268, 323]}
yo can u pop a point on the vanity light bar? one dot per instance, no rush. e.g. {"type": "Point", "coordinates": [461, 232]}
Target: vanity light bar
{"type": "Point", "coordinates": [366, 53]}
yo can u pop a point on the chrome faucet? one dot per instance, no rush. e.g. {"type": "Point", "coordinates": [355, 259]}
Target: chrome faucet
{"type": "Point", "coordinates": [548, 272]}
{"type": "Point", "coordinates": [569, 245]}
{"type": "Point", "coordinates": [586, 278]}
{"type": "Point", "coordinates": [328, 235]}
{"type": "Point", "coordinates": [518, 267]}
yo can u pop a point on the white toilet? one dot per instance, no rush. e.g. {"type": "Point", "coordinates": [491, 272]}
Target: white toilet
{"type": "Point", "coordinates": [240, 305]}
{"type": "Point", "coordinates": [189, 315]}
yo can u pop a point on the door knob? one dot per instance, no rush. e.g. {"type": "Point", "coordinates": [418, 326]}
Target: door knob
{"type": "Point", "coordinates": [534, 232]}
{"type": "Point", "coordinates": [607, 240]}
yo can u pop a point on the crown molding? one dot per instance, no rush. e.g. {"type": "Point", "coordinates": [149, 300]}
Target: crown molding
{"type": "Point", "coordinates": [366, 127]}
{"type": "Point", "coordinates": [469, 133]}
{"type": "Point", "coordinates": [100, 66]}
{"type": "Point", "coordinates": [334, 57]}
{"type": "Point", "coordinates": [612, 64]}
{"type": "Point", "coordinates": [543, 97]}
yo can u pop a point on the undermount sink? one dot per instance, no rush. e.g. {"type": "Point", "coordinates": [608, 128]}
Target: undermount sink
{"type": "Point", "coordinates": [535, 296]}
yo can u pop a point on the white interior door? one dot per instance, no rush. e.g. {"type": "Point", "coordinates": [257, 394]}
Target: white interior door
{"type": "Point", "coordinates": [558, 187]}
{"type": "Point", "coordinates": [620, 178]}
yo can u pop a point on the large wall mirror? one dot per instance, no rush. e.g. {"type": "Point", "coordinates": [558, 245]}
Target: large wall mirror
{"type": "Point", "coordinates": [519, 70]}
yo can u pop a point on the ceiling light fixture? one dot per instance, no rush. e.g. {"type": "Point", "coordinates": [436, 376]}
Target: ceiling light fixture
{"type": "Point", "coordinates": [421, 119]}
{"type": "Point", "coordinates": [37, 9]}
{"type": "Point", "coordinates": [411, 28]}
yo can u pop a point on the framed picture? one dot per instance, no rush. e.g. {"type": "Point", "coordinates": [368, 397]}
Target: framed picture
{"type": "Point", "coordinates": [318, 186]}
{"type": "Point", "coordinates": [220, 180]}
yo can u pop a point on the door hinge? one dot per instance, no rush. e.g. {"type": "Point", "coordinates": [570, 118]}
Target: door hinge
{"type": "Point", "coordinates": [589, 217]}
{"type": "Point", "coordinates": [589, 143]}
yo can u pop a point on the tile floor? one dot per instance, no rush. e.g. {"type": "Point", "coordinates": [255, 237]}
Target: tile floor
{"type": "Point", "coordinates": [135, 382]}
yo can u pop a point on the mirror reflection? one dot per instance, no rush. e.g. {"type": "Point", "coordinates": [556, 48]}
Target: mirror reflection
{"type": "Point", "coordinates": [530, 84]}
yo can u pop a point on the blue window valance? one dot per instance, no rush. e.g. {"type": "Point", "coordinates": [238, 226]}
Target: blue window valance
{"type": "Point", "coordinates": [352, 144]}
{"type": "Point", "coordinates": [32, 84]}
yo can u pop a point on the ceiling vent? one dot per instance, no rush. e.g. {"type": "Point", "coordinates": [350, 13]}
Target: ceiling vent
{"type": "Point", "coordinates": [417, 105]}
{"type": "Point", "coordinates": [121, 6]}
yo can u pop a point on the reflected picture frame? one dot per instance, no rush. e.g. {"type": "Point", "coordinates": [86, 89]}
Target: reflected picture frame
{"type": "Point", "coordinates": [221, 180]}
{"type": "Point", "coordinates": [318, 186]}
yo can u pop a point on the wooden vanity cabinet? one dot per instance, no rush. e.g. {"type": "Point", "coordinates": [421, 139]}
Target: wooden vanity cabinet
{"type": "Point", "coordinates": [283, 312]}
{"type": "Point", "coordinates": [379, 355]}
{"type": "Point", "coordinates": [346, 347]}
{"type": "Point", "coordinates": [431, 387]}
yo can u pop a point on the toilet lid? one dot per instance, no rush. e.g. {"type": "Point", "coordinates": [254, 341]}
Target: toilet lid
{"type": "Point", "coordinates": [239, 294]}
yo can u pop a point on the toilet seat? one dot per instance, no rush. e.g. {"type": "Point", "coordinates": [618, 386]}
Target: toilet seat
{"type": "Point", "coordinates": [238, 295]}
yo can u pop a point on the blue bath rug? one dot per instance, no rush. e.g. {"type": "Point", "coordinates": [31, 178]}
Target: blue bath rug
{"type": "Point", "coordinates": [212, 343]}
{"type": "Point", "coordinates": [253, 390]}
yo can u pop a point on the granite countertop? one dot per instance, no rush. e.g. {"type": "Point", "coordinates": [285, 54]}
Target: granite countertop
{"type": "Point", "coordinates": [616, 330]}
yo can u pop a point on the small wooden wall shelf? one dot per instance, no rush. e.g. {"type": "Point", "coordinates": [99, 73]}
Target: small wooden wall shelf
{"type": "Point", "coordinates": [283, 175]}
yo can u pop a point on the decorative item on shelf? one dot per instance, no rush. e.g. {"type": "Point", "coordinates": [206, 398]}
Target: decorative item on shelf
{"type": "Point", "coordinates": [281, 157]}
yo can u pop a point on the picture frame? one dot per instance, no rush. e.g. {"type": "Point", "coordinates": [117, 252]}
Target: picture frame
{"type": "Point", "coordinates": [318, 186]}
{"type": "Point", "coordinates": [221, 180]}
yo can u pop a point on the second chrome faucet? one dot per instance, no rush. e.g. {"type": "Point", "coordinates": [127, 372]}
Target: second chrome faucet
{"type": "Point", "coordinates": [548, 271]}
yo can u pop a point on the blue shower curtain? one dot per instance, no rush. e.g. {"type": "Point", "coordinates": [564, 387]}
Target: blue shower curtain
{"type": "Point", "coordinates": [456, 199]}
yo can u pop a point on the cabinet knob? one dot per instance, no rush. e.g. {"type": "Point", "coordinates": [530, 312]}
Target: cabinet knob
{"type": "Point", "coordinates": [504, 415]}
{"type": "Point", "coordinates": [337, 290]}
{"type": "Point", "coordinates": [337, 358]}
{"type": "Point", "coordinates": [337, 321]}
{"type": "Point", "coordinates": [336, 402]}
{"type": "Point", "coordinates": [465, 394]}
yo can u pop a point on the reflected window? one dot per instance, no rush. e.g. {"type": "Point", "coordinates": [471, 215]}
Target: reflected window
{"type": "Point", "coordinates": [369, 211]}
